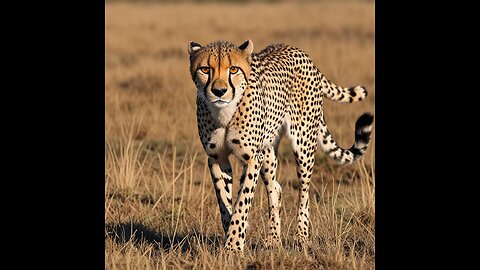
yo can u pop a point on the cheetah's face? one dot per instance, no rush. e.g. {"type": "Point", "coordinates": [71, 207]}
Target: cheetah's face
{"type": "Point", "coordinates": [220, 70]}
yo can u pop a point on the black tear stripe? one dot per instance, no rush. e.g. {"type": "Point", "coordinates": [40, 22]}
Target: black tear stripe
{"type": "Point", "coordinates": [208, 81]}
{"type": "Point", "coordinates": [231, 85]}
{"type": "Point", "coordinates": [230, 77]}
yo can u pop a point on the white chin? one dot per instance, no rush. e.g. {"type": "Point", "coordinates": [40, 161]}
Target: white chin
{"type": "Point", "coordinates": [220, 103]}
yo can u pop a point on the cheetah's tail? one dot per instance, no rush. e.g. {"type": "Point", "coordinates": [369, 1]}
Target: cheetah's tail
{"type": "Point", "coordinates": [363, 130]}
{"type": "Point", "coordinates": [342, 94]}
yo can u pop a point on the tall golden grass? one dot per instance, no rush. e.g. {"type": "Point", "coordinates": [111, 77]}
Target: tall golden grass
{"type": "Point", "coordinates": [160, 207]}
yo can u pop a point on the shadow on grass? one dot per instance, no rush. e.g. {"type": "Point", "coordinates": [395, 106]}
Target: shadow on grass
{"type": "Point", "coordinates": [138, 234]}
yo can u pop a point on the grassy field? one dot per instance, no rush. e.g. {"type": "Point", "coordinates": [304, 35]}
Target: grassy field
{"type": "Point", "coordinates": [160, 207]}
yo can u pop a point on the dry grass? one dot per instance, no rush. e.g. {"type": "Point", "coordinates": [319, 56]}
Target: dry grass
{"type": "Point", "coordinates": [160, 207]}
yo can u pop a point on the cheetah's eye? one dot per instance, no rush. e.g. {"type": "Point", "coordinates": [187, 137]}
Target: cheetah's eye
{"type": "Point", "coordinates": [233, 70]}
{"type": "Point", "coordinates": [205, 69]}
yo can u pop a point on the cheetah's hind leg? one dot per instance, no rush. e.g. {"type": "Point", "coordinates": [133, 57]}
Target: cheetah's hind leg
{"type": "Point", "coordinates": [274, 192]}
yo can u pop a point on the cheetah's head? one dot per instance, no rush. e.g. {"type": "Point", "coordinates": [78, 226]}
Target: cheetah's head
{"type": "Point", "coordinates": [220, 70]}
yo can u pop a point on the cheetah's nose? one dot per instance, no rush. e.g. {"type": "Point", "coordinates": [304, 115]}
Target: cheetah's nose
{"type": "Point", "coordinates": [219, 92]}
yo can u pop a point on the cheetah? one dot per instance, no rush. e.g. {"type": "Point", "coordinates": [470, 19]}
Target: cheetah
{"type": "Point", "coordinates": [245, 103]}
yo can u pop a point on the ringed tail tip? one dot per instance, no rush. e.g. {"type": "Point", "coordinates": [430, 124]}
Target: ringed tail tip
{"type": "Point", "coordinates": [364, 120]}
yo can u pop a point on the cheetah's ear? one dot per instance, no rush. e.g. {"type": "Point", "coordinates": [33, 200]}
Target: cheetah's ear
{"type": "Point", "coordinates": [247, 47]}
{"type": "Point", "coordinates": [193, 47]}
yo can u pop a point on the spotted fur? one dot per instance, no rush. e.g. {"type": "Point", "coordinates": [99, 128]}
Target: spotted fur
{"type": "Point", "coordinates": [245, 103]}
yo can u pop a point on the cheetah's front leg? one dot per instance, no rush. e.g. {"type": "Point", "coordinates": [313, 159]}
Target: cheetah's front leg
{"type": "Point", "coordinates": [238, 224]}
{"type": "Point", "coordinates": [221, 172]}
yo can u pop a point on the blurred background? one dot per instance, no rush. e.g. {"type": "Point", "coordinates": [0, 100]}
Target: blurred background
{"type": "Point", "coordinates": [150, 114]}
